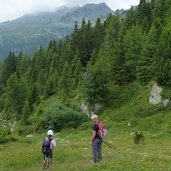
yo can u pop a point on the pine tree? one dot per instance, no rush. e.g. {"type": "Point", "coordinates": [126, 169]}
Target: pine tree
{"type": "Point", "coordinates": [144, 15]}
{"type": "Point", "coordinates": [132, 47]}
{"type": "Point", "coordinates": [8, 68]}
{"type": "Point", "coordinates": [65, 83]}
{"type": "Point", "coordinates": [160, 10]}
{"type": "Point", "coordinates": [15, 94]}
{"type": "Point", "coordinates": [131, 18]}
{"type": "Point", "coordinates": [96, 80]}
{"type": "Point", "coordinates": [76, 69]}
{"type": "Point", "coordinates": [26, 112]}
{"type": "Point", "coordinates": [145, 67]}
{"type": "Point", "coordinates": [163, 60]}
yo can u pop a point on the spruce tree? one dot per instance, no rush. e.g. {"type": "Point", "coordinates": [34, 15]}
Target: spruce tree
{"type": "Point", "coordinates": [163, 59]}
{"type": "Point", "coordinates": [132, 47]}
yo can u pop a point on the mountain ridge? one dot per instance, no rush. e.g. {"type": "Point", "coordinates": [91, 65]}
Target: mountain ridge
{"type": "Point", "coordinates": [29, 32]}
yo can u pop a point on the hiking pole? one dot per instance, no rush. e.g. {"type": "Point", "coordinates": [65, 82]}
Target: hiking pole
{"type": "Point", "coordinates": [111, 146]}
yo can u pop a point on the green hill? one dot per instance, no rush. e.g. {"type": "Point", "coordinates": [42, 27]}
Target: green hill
{"type": "Point", "coordinates": [73, 150]}
{"type": "Point", "coordinates": [109, 68]}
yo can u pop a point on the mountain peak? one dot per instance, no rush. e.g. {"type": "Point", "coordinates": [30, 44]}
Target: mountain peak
{"type": "Point", "coordinates": [35, 30]}
{"type": "Point", "coordinates": [99, 5]}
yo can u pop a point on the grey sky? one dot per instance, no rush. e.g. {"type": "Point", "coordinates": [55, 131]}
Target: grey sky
{"type": "Point", "coordinates": [11, 9]}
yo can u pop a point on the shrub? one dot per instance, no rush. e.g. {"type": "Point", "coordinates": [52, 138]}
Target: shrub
{"type": "Point", "coordinates": [138, 137]}
{"type": "Point", "coordinates": [4, 133]}
{"type": "Point", "coordinates": [166, 93]}
{"type": "Point", "coordinates": [59, 116]}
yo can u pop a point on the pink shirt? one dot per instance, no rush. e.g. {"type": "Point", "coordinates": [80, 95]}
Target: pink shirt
{"type": "Point", "coordinates": [52, 144]}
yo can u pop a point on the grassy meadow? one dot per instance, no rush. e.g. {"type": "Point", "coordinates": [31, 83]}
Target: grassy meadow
{"type": "Point", "coordinates": [73, 153]}
{"type": "Point", "coordinates": [129, 113]}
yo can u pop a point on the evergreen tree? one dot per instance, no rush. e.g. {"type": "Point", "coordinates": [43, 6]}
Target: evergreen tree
{"type": "Point", "coordinates": [96, 80]}
{"type": "Point", "coordinates": [144, 15]}
{"type": "Point", "coordinates": [97, 35]}
{"type": "Point", "coordinates": [119, 69]}
{"type": "Point", "coordinates": [145, 67]}
{"type": "Point", "coordinates": [8, 68]}
{"type": "Point", "coordinates": [163, 58]}
{"type": "Point", "coordinates": [132, 46]}
{"type": "Point", "coordinates": [26, 112]}
{"type": "Point", "coordinates": [76, 69]}
{"type": "Point", "coordinates": [131, 18]}
{"type": "Point", "coordinates": [15, 94]}
{"type": "Point", "coordinates": [65, 83]}
{"type": "Point", "coordinates": [160, 9]}
{"type": "Point", "coordinates": [52, 82]}
{"type": "Point", "coordinates": [22, 65]}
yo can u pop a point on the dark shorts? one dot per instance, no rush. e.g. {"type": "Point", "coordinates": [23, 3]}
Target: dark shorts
{"type": "Point", "coordinates": [48, 155]}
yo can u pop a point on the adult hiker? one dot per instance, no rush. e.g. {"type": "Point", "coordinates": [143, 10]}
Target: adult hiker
{"type": "Point", "coordinates": [96, 140]}
{"type": "Point", "coordinates": [47, 146]}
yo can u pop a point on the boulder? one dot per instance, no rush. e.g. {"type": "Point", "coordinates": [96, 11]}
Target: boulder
{"type": "Point", "coordinates": [89, 110]}
{"type": "Point", "coordinates": [86, 109]}
{"type": "Point", "coordinates": [155, 96]}
{"type": "Point", "coordinates": [98, 107]}
{"type": "Point", "coordinates": [29, 136]}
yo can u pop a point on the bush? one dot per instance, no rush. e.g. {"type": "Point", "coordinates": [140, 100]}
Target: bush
{"type": "Point", "coordinates": [138, 137]}
{"type": "Point", "coordinates": [166, 93]}
{"type": "Point", "coordinates": [4, 133]}
{"type": "Point", "coordinates": [59, 116]}
{"type": "Point", "coordinates": [25, 130]}
{"type": "Point", "coordinates": [149, 110]}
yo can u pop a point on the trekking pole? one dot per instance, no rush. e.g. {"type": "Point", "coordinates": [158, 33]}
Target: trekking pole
{"type": "Point", "coordinates": [111, 146]}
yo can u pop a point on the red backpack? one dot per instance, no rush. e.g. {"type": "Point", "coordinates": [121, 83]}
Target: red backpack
{"type": "Point", "coordinates": [102, 130]}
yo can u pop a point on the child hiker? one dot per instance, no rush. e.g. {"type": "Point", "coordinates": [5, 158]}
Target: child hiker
{"type": "Point", "coordinates": [48, 145]}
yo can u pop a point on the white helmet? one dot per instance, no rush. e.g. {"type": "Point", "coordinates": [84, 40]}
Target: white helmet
{"type": "Point", "coordinates": [50, 132]}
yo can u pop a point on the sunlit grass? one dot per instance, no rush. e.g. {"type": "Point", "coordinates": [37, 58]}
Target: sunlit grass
{"type": "Point", "coordinates": [73, 153]}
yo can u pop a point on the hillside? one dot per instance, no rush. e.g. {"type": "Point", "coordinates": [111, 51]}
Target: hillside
{"type": "Point", "coordinates": [73, 152]}
{"type": "Point", "coordinates": [111, 69]}
{"type": "Point", "coordinates": [30, 31]}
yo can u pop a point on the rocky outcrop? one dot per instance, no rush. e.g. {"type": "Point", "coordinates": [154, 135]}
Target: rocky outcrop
{"type": "Point", "coordinates": [86, 109]}
{"type": "Point", "coordinates": [155, 96]}
{"type": "Point", "coordinates": [89, 110]}
{"type": "Point", "coordinates": [12, 125]}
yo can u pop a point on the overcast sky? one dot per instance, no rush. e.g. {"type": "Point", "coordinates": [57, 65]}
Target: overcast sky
{"type": "Point", "coordinates": [12, 9]}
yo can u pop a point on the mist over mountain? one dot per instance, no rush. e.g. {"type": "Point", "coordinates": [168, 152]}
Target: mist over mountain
{"type": "Point", "coordinates": [31, 31]}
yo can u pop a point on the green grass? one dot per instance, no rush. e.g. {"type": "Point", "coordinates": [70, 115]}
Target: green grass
{"type": "Point", "coordinates": [73, 153]}
{"type": "Point", "coordinates": [130, 111]}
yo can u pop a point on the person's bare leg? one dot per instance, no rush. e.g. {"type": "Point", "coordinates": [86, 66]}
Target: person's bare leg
{"type": "Point", "coordinates": [45, 163]}
{"type": "Point", "coordinates": [48, 163]}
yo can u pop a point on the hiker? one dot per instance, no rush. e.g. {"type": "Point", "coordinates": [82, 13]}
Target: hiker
{"type": "Point", "coordinates": [96, 140]}
{"type": "Point", "coordinates": [47, 146]}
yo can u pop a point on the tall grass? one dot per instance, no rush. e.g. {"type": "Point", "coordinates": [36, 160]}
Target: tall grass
{"type": "Point", "coordinates": [73, 153]}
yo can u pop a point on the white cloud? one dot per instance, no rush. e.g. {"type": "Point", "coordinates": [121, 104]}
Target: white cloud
{"type": "Point", "coordinates": [125, 4]}
{"type": "Point", "coordinates": [11, 9]}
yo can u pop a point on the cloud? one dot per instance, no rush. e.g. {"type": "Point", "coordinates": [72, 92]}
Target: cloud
{"type": "Point", "coordinates": [114, 4]}
{"type": "Point", "coordinates": [11, 9]}
{"type": "Point", "coordinates": [125, 4]}
{"type": "Point", "coordinates": [81, 2]}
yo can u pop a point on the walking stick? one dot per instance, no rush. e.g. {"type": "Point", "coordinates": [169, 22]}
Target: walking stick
{"type": "Point", "coordinates": [111, 146]}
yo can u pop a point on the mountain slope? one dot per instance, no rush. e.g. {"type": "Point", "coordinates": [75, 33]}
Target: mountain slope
{"type": "Point", "coordinates": [30, 31]}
